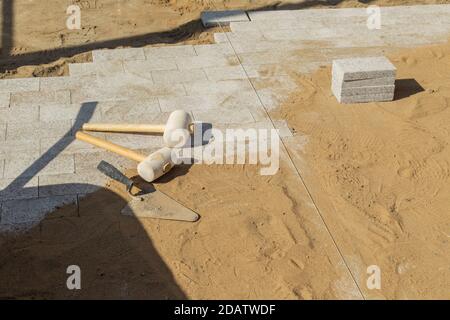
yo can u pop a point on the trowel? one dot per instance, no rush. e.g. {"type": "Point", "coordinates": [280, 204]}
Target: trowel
{"type": "Point", "coordinates": [148, 204]}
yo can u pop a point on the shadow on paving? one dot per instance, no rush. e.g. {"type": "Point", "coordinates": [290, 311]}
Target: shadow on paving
{"type": "Point", "coordinates": [115, 254]}
{"type": "Point", "coordinates": [280, 5]}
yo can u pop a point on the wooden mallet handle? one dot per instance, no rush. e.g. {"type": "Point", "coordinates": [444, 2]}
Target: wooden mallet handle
{"type": "Point", "coordinates": [125, 152]}
{"type": "Point", "coordinates": [128, 128]}
{"type": "Point", "coordinates": [134, 128]}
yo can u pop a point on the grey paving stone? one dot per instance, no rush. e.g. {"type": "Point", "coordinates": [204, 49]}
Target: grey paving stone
{"type": "Point", "coordinates": [237, 27]}
{"type": "Point", "coordinates": [19, 114]}
{"type": "Point", "coordinates": [177, 76]}
{"type": "Point", "coordinates": [2, 168]}
{"type": "Point", "coordinates": [19, 188]}
{"type": "Point", "coordinates": [15, 167]}
{"type": "Point", "coordinates": [2, 132]}
{"type": "Point", "coordinates": [19, 85]}
{"type": "Point", "coordinates": [363, 90]}
{"type": "Point", "coordinates": [169, 51]}
{"type": "Point", "coordinates": [81, 111]}
{"type": "Point", "coordinates": [367, 98]}
{"type": "Point", "coordinates": [281, 56]}
{"type": "Point", "coordinates": [218, 49]}
{"type": "Point", "coordinates": [253, 46]}
{"type": "Point", "coordinates": [118, 54]}
{"type": "Point", "coordinates": [67, 146]}
{"type": "Point", "coordinates": [65, 83]}
{"type": "Point", "coordinates": [126, 92]}
{"type": "Point", "coordinates": [217, 87]}
{"type": "Point", "coordinates": [38, 130]}
{"type": "Point", "coordinates": [20, 148]}
{"type": "Point", "coordinates": [136, 141]}
{"type": "Point", "coordinates": [101, 69]}
{"type": "Point", "coordinates": [186, 63]}
{"type": "Point", "coordinates": [71, 184]}
{"type": "Point", "coordinates": [222, 18]}
{"type": "Point", "coordinates": [30, 210]}
{"type": "Point", "coordinates": [363, 83]}
{"type": "Point", "coordinates": [153, 64]}
{"type": "Point", "coordinates": [224, 115]}
{"type": "Point", "coordinates": [225, 73]}
{"type": "Point", "coordinates": [29, 99]}
{"type": "Point", "coordinates": [4, 99]}
{"type": "Point", "coordinates": [233, 37]}
{"type": "Point", "coordinates": [270, 70]}
{"type": "Point", "coordinates": [136, 111]}
{"type": "Point", "coordinates": [88, 162]}
{"type": "Point", "coordinates": [206, 102]}
{"type": "Point", "coordinates": [362, 68]}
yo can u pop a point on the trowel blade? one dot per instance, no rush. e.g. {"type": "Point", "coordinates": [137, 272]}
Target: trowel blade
{"type": "Point", "coordinates": [158, 205]}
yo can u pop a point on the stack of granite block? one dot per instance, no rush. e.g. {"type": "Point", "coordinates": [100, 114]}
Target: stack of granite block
{"type": "Point", "coordinates": [359, 80]}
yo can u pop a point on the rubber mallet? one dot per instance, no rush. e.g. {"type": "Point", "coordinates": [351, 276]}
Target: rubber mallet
{"type": "Point", "coordinates": [149, 168]}
{"type": "Point", "coordinates": [176, 131]}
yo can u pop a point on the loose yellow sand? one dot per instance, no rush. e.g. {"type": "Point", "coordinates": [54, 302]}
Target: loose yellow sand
{"type": "Point", "coordinates": [381, 171]}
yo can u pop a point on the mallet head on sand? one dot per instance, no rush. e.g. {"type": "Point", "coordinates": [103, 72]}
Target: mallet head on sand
{"type": "Point", "coordinates": [149, 168]}
{"type": "Point", "coordinates": [176, 132]}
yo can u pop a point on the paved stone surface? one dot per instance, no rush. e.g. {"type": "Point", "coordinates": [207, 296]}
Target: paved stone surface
{"type": "Point", "coordinates": [225, 73]}
{"type": "Point", "coordinates": [66, 83]}
{"type": "Point", "coordinates": [37, 98]}
{"type": "Point", "coordinates": [4, 99]}
{"type": "Point", "coordinates": [53, 165]}
{"type": "Point", "coordinates": [169, 52]}
{"type": "Point", "coordinates": [19, 114]}
{"type": "Point", "coordinates": [222, 18]}
{"type": "Point", "coordinates": [19, 85]}
{"type": "Point", "coordinates": [18, 188]}
{"type": "Point", "coordinates": [31, 210]}
{"type": "Point", "coordinates": [118, 54]}
{"type": "Point", "coordinates": [38, 130]}
{"type": "Point", "coordinates": [105, 68]}
{"type": "Point", "coordinates": [177, 76]}
{"type": "Point", "coordinates": [2, 132]}
{"type": "Point", "coordinates": [71, 184]}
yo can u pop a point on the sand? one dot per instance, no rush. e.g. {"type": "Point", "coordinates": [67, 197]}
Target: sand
{"type": "Point", "coordinates": [247, 244]}
{"type": "Point", "coordinates": [382, 171]}
{"type": "Point", "coordinates": [38, 44]}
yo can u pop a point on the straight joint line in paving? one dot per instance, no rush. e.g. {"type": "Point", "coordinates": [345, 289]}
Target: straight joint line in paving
{"type": "Point", "coordinates": [291, 160]}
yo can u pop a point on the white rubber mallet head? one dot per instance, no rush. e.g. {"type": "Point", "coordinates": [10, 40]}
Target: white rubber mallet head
{"type": "Point", "coordinates": [149, 168]}
{"type": "Point", "coordinates": [178, 129]}
{"type": "Point", "coordinates": [156, 164]}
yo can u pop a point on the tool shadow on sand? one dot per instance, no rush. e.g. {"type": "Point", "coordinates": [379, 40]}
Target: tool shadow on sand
{"type": "Point", "coordinates": [115, 253]}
